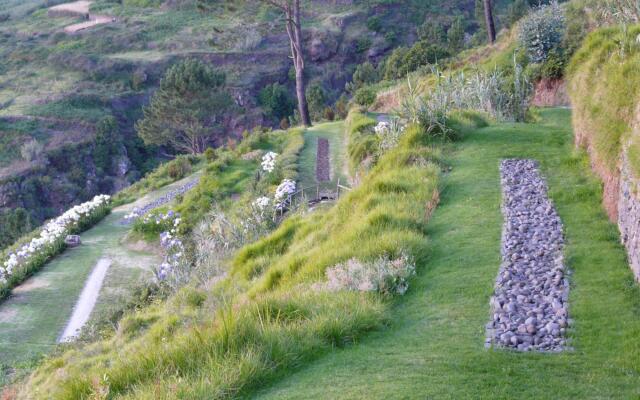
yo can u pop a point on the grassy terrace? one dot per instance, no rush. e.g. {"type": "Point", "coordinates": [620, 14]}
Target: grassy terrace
{"type": "Point", "coordinates": [433, 348]}
{"type": "Point", "coordinates": [334, 132]}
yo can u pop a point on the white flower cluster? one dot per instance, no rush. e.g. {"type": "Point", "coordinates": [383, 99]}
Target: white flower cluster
{"type": "Point", "coordinates": [389, 133]}
{"type": "Point", "coordinates": [262, 203]}
{"type": "Point", "coordinates": [52, 232]}
{"type": "Point", "coordinates": [283, 191]}
{"type": "Point", "coordinates": [132, 216]}
{"type": "Point", "coordinates": [382, 127]}
{"type": "Point", "coordinates": [160, 218]}
{"type": "Point", "coordinates": [383, 275]}
{"type": "Point", "coordinates": [171, 244]}
{"type": "Point", "coordinates": [269, 161]}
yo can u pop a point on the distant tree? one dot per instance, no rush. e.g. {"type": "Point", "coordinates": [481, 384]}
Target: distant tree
{"type": "Point", "coordinates": [291, 11]}
{"type": "Point", "coordinates": [432, 32]}
{"type": "Point", "coordinates": [107, 144]}
{"type": "Point", "coordinates": [364, 74]}
{"type": "Point", "coordinates": [423, 53]}
{"type": "Point", "coordinates": [186, 112]}
{"type": "Point", "coordinates": [394, 65]}
{"type": "Point", "coordinates": [455, 35]}
{"type": "Point", "coordinates": [517, 10]}
{"type": "Point", "coordinates": [275, 101]}
{"type": "Point", "coordinates": [317, 100]}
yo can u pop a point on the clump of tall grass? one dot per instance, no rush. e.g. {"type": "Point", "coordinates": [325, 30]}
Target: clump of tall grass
{"type": "Point", "coordinates": [620, 11]}
{"type": "Point", "coordinates": [495, 93]}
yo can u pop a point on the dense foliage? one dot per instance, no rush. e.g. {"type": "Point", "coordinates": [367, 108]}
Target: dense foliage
{"type": "Point", "coordinates": [186, 112]}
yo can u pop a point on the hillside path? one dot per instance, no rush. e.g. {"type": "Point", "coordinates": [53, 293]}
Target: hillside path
{"type": "Point", "coordinates": [34, 317]}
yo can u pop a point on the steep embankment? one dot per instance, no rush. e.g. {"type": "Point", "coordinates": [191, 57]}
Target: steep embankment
{"type": "Point", "coordinates": [434, 346]}
{"type": "Point", "coordinates": [605, 93]}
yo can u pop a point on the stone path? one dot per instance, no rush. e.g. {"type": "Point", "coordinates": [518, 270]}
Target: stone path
{"type": "Point", "coordinates": [323, 165]}
{"type": "Point", "coordinates": [164, 199]}
{"type": "Point", "coordinates": [86, 302]}
{"type": "Point", "coordinates": [529, 305]}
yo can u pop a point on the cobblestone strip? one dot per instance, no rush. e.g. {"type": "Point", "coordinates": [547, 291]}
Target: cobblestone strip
{"type": "Point", "coordinates": [529, 308]}
{"type": "Point", "coordinates": [323, 167]}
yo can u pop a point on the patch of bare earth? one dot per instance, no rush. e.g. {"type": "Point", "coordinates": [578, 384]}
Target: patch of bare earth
{"type": "Point", "coordinates": [93, 21]}
{"type": "Point", "coordinates": [79, 9]}
{"type": "Point", "coordinates": [73, 9]}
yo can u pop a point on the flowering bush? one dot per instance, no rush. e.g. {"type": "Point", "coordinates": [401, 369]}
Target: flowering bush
{"type": "Point", "coordinates": [269, 161]}
{"type": "Point", "coordinates": [283, 192]}
{"type": "Point", "coordinates": [32, 255]}
{"type": "Point", "coordinates": [382, 275]}
{"type": "Point", "coordinates": [389, 133]}
{"type": "Point", "coordinates": [157, 222]}
{"type": "Point", "coordinates": [542, 31]}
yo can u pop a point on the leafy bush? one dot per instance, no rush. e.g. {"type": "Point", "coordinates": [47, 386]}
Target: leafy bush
{"type": "Point", "coordinates": [317, 100]}
{"type": "Point", "coordinates": [365, 74]}
{"type": "Point", "coordinates": [32, 150]}
{"type": "Point", "coordinates": [365, 96]}
{"type": "Point", "coordinates": [542, 31]}
{"type": "Point", "coordinates": [276, 101]}
{"type": "Point", "coordinates": [179, 168]}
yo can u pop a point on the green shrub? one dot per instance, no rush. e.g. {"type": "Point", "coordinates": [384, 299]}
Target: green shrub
{"type": "Point", "coordinates": [179, 168]}
{"type": "Point", "coordinates": [542, 31]}
{"type": "Point", "coordinates": [365, 96]}
{"type": "Point", "coordinates": [276, 101]}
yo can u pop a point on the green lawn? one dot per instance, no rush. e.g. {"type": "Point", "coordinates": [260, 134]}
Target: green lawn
{"type": "Point", "coordinates": [433, 348]}
{"type": "Point", "coordinates": [334, 132]}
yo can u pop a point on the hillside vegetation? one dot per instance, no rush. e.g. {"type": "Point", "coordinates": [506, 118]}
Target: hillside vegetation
{"type": "Point", "coordinates": [267, 316]}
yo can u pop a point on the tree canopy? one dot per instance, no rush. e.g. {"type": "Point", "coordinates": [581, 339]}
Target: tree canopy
{"type": "Point", "coordinates": [187, 111]}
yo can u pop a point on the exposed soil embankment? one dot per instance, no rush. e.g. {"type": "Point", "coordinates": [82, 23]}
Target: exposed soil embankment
{"type": "Point", "coordinates": [551, 93]}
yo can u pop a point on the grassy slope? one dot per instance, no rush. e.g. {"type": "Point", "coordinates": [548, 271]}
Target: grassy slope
{"type": "Point", "coordinates": [334, 132]}
{"type": "Point", "coordinates": [193, 347]}
{"type": "Point", "coordinates": [434, 347]}
{"type": "Point", "coordinates": [33, 318]}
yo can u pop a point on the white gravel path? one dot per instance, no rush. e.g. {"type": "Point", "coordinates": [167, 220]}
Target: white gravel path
{"type": "Point", "coordinates": [86, 302]}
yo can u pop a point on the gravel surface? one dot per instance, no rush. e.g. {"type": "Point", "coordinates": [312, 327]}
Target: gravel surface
{"type": "Point", "coordinates": [529, 308]}
{"type": "Point", "coordinates": [323, 166]}
{"type": "Point", "coordinates": [164, 199]}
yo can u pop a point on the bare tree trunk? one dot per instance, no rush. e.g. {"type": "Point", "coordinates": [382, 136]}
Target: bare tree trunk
{"type": "Point", "coordinates": [291, 10]}
{"type": "Point", "coordinates": [294, 30]}
{"type": "Point", "coordinates": [488, 16]}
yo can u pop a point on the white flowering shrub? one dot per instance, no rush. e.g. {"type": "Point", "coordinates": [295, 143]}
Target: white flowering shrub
{"type": "Point", "coordinates": [157, 222]}
{"type": "Point", "coordinates": [384, 275]}
{"type": "Point", "coordinates": [542, 31]}
{"type": "Point", "coordinates": [269, 161]}
{"type": "Point", "coordinates": [32, 255]}
{"type": "Point", "coordinates": [389, 134]}
{"type": "Point", "coordinates": [283, 193]}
